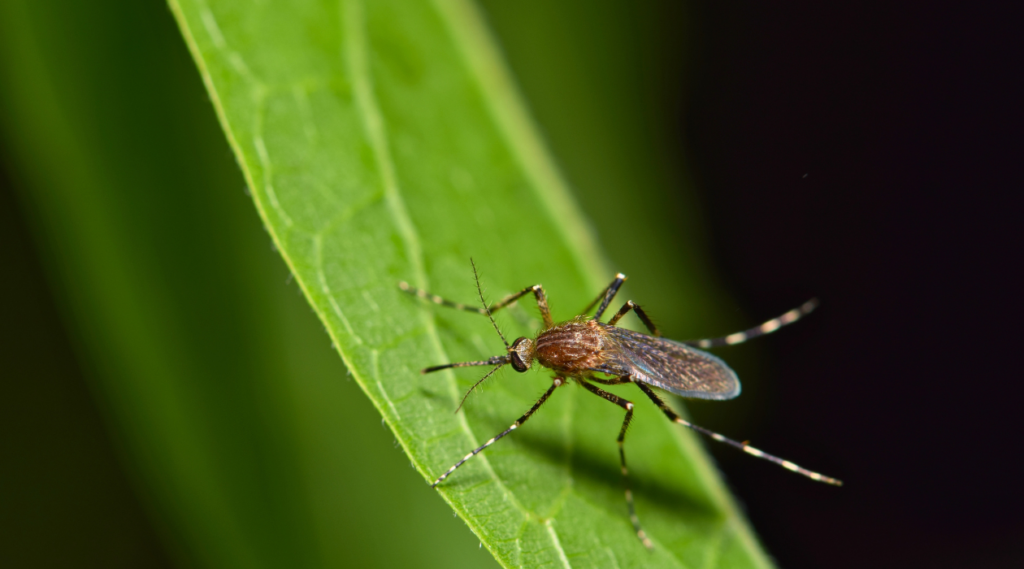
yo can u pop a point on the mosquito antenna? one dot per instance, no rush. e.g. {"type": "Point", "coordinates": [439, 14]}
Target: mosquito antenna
{"type": "Point", "coordinates": [487, 310]}
{"type": "Point", "coordinates": [481, 380]}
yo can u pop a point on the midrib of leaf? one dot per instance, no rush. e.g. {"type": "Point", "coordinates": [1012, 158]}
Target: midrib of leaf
{"type": "Point", "coordinates": [353, 23]}
{"type": "Point", "coordinates": [464, 24]}
{"type": "Point", "coordinates": [373, 124]}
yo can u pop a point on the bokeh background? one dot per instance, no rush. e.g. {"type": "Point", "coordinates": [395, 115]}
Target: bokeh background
{"type": "Point", "coordinates": [868, 155]}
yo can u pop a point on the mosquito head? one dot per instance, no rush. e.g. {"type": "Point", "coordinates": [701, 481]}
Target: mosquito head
{"type": "Point", "coordinates": [521, 354]}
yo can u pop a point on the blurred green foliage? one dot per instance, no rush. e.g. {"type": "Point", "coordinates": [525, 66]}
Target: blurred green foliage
{"type": "Point", "coordinates": [245, 437]}
{"type": "Point", "coordinates": [245, 433]}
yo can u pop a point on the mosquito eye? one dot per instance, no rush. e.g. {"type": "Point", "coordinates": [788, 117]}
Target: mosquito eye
{"type": "Point", "coordinates": [517, 363]}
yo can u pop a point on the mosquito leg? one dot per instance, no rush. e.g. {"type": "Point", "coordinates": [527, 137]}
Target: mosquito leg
{"type": "Point", "coordinates": [628, 406]}
{"type": "Point", "coordinates": [614, 381]}
{"type": "Point", "coordinates": [742, 446]}
{"type": "Point", "coordinates": [630, 305]}
{"type": "Point", "coordinates": [542, 303]}
{"type": "Point", "coordinates": [766, 328]}
{"type": "Point", "coordinates": [537, 290]}
{"type": "Point", "coordinates": [558, 382]}
{"type": "Point", "coordinates": [438, 300]}
{"type": "Point", "coordinates": [606, 296]}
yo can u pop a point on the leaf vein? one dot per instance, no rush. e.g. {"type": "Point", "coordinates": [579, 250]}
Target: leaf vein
{"type": "Point", "coordinates": [375, 362]}
{"type": "Point", "coordinates": [558, 544]}
{"type": "Point", "coordinates": [355, 48]}
{"type": "Point", "coordinates": [268, 185]}
{"type": "Point", "coordinates": [326, 290]}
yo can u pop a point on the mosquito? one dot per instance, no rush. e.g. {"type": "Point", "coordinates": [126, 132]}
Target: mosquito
{"type": "Point", "coordinates": [584, 349]}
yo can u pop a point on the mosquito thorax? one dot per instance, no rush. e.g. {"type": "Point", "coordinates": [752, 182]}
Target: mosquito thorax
{"type": "Point", "coordinates": [572, 347]}
{"type": "Point", "coordinates": [520, 354]}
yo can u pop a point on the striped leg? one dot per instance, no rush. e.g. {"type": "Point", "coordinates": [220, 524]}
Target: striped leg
{"type": "Point", "coordinates": [605, 298]}
{"type": "Point", "coordinates": [742, 446]}
{"type": "Point", "coordinates": [537, 290]}
{"type": "Point", "coordinates": [766, 328]}
{"type": "Point", "coordinates": [630, 305]}
{"type": "Point", "coordinates": [628, 406]}
{"type": "Point", "coordinates": [558, 382]}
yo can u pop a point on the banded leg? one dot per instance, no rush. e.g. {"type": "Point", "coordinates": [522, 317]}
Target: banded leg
{"type": "Point", "coordinates": [605, 298]}
{"type": "Point", "coordinates": [766, 328]}
{"type": "Point", "coordinates": [742, 446]}
{"type": "Point", "coordinates": [628, 406]}
{"type": "Point", "coordinates": [537, 290]}
{"type": "Point", "coordinates": [558, 382]}
{"type": "Point", "coordinates": [630, 305]}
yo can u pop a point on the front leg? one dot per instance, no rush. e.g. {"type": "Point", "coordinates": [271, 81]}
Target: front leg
{"type": "Point", "coordinates": [537, 290]}
{"type": "Point", "coordinates": [558, 382]}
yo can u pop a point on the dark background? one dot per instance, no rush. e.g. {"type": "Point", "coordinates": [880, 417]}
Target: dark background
{"type": "Point", "coordinates": [64, 491]}
{"type": "Point", "coordinates": [866, 155]}
{"type": "Point", "coordinates": [872, 155]}
{"type": "Point", "coordinates": [869, 155]}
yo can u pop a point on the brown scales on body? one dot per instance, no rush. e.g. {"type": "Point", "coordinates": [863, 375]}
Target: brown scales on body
{"type": "Point", "coordinates": [581, 348]}
{"type": "Point", "coordinates": [571, 348]}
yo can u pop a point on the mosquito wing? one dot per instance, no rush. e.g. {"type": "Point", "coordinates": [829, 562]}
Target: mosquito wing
{"type": "Point", "coordinates": [672, 366]}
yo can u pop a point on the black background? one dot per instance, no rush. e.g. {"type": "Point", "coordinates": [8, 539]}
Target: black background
{"type": "Point", "coordinates": [872, 154]}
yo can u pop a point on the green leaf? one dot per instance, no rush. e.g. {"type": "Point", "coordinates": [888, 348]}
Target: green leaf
{"type": "Point", "coordinates": [382, 142]}
{"type": "Point", "coordinates": [245, 441]}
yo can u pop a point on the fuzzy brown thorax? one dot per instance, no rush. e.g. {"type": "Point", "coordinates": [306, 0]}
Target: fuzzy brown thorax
{"type": "Point", "coordinates": [570, 348]}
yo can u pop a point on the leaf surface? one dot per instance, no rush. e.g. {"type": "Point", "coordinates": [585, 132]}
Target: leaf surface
{"type": "Point", "coordinates": [382, 141]}
{"type": "Point", "coordinates": [246, 442]}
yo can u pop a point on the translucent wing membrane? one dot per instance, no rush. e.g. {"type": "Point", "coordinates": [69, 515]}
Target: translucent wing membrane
{"type": "Point", "coordinates": [672, 366]}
